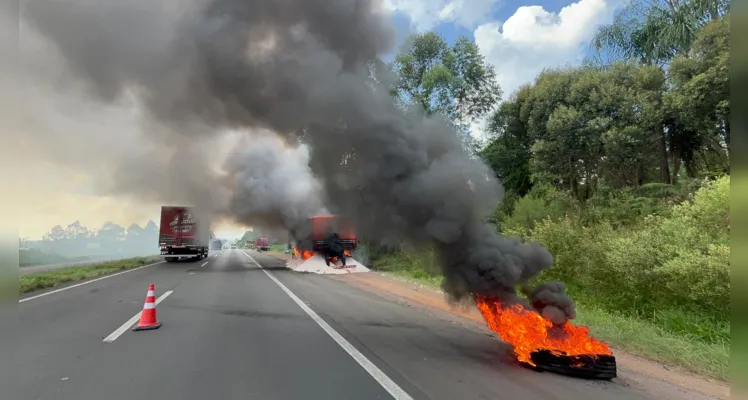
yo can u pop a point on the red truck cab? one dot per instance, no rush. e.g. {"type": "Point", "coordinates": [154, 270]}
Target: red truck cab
{"type": "Point", "coordinates": [262, 243]}
{"type": "Point", "coordinates": [323, 225]}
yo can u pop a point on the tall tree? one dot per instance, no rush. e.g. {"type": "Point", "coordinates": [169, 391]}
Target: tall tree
{"type": "Point", "coordinates": [654, 32]}
{"type": "Point", "coordinates": [700, 100]}
{"type": "Point", "coordinates": [510, 150]}
{"type": "Point", "coordinates": [57, 233]}
{"type": "Point", "coordinates": [574, 128]}
{"type": "Point", "coordinates": [454, 81]}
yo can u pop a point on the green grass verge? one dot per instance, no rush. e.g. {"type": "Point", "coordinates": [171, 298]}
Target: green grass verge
{"type": "Point", "coordinates": [644, 339]}
{"type": "Point", "coordinates": [32, 257]}
{"type": "Point", "coordinates": [634, 335]}
{"type": "Point", "coordinates": [43, 280]}
{"type": "Point", "coordinates": [278, 248]}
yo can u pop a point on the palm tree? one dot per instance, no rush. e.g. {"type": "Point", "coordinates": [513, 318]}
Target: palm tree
{"type": "Point", "coordinates": [653, 32]}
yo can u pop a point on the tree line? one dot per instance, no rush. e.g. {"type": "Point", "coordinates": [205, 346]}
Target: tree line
{"type": "Point", "coordinates": [656, 114]}
{"type": "Point", "coordinates": [619, 166]}
{"type": "Point", "coordinates": [77, 240]}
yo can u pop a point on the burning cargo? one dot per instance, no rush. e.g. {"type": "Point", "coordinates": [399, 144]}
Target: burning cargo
{"type": "Point", "coordinates": [314, 233]}
{"type": "Point", "coordinates": [330, 235]}
{"type": "Point", "coordinates": [330, 238]}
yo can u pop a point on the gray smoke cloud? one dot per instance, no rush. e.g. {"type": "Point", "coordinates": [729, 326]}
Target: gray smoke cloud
{"type": "Point", "coordinates": [303, 70]}
{"type": "Point", "coordinates": [273, 186]}
{"type": "Point", "coordinates": [551, 300]}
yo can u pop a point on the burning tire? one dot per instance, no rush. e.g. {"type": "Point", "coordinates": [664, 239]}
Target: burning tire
{"type": "Point", "coordinates": [583, 366]}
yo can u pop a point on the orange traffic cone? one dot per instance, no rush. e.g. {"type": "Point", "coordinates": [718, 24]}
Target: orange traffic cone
{"type": "Point", "coordinates": [148, 316]}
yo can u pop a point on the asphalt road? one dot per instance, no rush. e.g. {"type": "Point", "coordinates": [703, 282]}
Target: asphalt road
{"type": "Point", "coordinates": [234, 331]}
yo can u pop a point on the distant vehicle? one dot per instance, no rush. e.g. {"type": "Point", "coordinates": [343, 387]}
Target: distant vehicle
{"type": "Point", "coordinates": [262, 243]}
{"type": "Point", "coordinates": [248, 244]}
{"type": "Point", "coordinates": [182, 235]}
{"type": "Point", "coordinates": [216, 244]}
{"type": "Point", "coordinates": [233, 246]}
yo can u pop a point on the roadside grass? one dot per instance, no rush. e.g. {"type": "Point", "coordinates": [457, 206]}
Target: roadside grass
{"type": "Point", "coordinates": [49, 279]}
{"type": "Point", "coordinates": [636, 336]}
{"type": "Point", "coordinates": [278, 248]}
{"type": "Point", "coordinates": [645, 339]}
{"type": "Point", "coordinates": [32, 257]}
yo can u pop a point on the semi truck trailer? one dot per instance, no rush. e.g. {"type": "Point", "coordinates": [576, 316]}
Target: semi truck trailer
{"type": "Point", "coordinates": [262, 243]}
{"type": "Point", "coordinates": [182, 234]}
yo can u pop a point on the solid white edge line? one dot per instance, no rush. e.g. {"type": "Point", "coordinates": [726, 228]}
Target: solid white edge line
{"type": "Point", "coordinates": [204, 264]}
{"type": "Point", "coordinates": [85, 283]}
{"type": "Point", "coordinates": [127, 325]}
{"type": "Point", "coordinates": [385, 381]}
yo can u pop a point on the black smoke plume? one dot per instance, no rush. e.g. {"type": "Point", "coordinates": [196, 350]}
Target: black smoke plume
{"type": "Point", "coordinates": [302, 69]}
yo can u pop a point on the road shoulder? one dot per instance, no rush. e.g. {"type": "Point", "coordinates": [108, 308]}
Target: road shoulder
{"type": "Point", "coordinates": [654, 379]}
{"type": "Point", "coordinates": [41, 284]}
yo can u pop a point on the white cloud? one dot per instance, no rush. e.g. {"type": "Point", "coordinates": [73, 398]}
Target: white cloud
{"type": "Point", "coordinates": [427, 14]}
{"type": "Point", "coordinates": [529, 41]}
{"type": "Point", "coordinates": [533, 39]}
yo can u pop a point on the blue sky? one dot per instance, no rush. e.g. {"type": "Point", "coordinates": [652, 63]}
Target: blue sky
{"type": "Point", "coordinates": [520, 38]}
{"type": "Point", "coordinates": [501, 12]}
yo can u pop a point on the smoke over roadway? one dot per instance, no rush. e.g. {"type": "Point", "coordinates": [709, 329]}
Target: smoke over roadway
{"type": "Point", "coordinates": [303, 70]}
{"type": "Point", "coordinates": [272, 186]}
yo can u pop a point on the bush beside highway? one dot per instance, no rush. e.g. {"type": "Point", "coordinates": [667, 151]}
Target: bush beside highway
{"type": "Point", "coordinates": [657, 285]}
{"type": "Point", "coordinates": [49, 279]}
{"type": "Point", "coordinates": [33, 257]}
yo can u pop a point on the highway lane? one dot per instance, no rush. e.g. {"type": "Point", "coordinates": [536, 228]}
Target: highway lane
{"type": "Point", "coordinates": [432, 351]}
{"type": "Point", "coordinates": [232, 332]}
{"type": "Point", "coordinates": [61, 328]}
{"type": "Point", "coordinates": [228, 333]}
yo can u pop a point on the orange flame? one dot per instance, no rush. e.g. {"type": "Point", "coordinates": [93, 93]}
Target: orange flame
{"type": "Point", "coordinates": [528, 331]}
{"type": "Point", "coordinates": [304, 254]}
{"type": "Point", "coordinates": [346, 253]}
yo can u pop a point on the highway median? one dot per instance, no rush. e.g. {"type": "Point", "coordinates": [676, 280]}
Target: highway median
{"type": "Point", "coordinates": [50, 279]}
